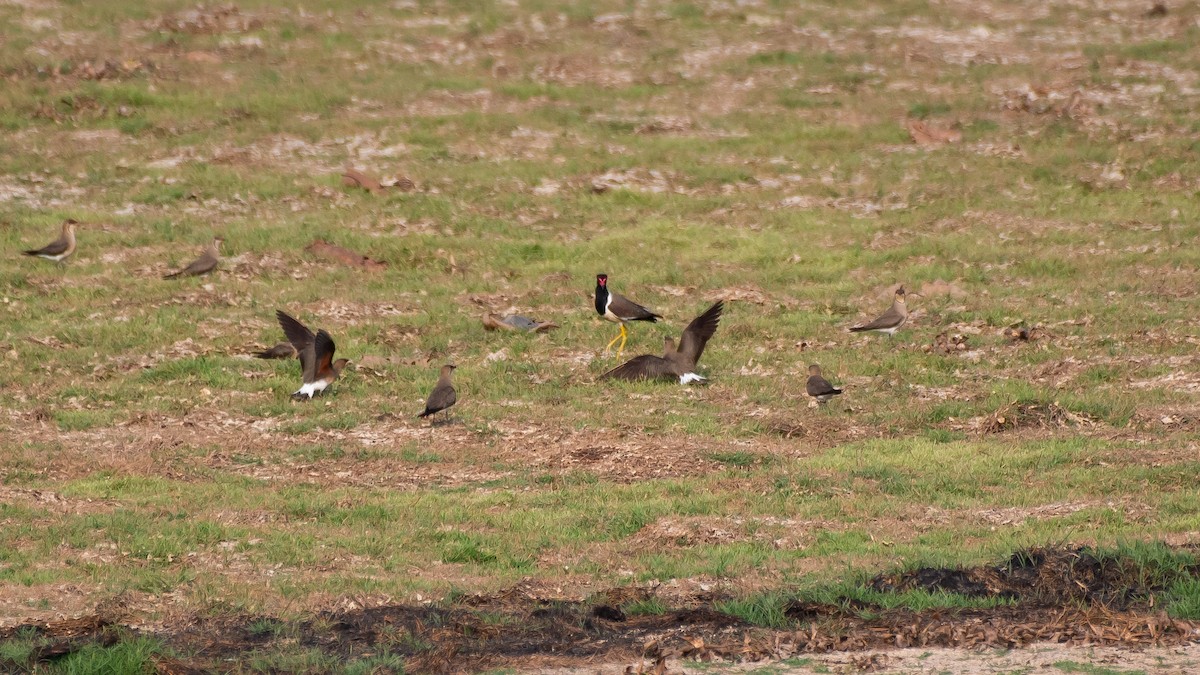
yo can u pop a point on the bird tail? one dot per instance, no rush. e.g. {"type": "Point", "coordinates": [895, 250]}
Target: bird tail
{"type": "Point", "coordinates": [265, 354]}
{"type": "Point", "coordinates": [427, 413]}
{"type": "Point", "coordinates": [172, 275]}
{"type": "Point", "coordinates": [30, 252]}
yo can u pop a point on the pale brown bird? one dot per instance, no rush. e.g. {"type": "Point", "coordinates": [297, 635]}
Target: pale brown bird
{"type": "Point", "coordinates": [317, 368]}
{"type": "Point", "coordinates": [60, 248]}
{"type": "Point", "coordinates": [675, 364]}
{"type": "Point", "coordinates": [443, 395]}
{"type": "Point", "coordinates": [890, 321]}
{"type": "Point", "coordinates": [206, 263]}
{"type": "Point", "coordinates": [818, 387]}
{"type": "Point", "coordinates": [620, 310]}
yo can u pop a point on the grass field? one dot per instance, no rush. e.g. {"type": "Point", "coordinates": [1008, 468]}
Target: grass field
{"type": "Point", "coordinates": [694, 150]}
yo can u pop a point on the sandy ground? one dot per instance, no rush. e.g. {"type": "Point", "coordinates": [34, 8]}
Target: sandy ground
{"type": "Point", "coordinates": [1042, 658]}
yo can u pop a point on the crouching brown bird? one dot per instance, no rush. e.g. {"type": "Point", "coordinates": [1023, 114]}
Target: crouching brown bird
{"type": "Point", "coordinates": [675, 364]}
{"type": "Point", "coordinates": [443, 395]}
{"type": "Point", "coordinates": [60, 248]}
{"type": "Point", "coordinates": [890, 321]}
{"type": "Point", "coordinates": [206, 263]}
{"type": "Point", "coordinates": [818, 387]}
{"type": "Point", "coordinates": [317, 368]}
{"type": "Point", "coordinates": [282, 350]}
{"type": "Point", "coordinates": [620, 310]}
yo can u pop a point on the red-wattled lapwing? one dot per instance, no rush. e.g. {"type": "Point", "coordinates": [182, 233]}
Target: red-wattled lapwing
{"type": "Point", "coordinates": [890, 321]}
{"type": "Point", "coordinates": [60, 248]}
{"type": "Point", "coordinates": [818, 387]}
{"type": "Point", "coordinates": [620, 310]}
{"type": "Point", "coordinates": [317, 368]}
{"type": "Point", "coordinates": [675, 364]}
{"type": "Point", "coordinates": [206, 263]}
{"type": "Point", "coordinates": [443, 395]}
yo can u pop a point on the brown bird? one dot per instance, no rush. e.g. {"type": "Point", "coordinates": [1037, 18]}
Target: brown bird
{"type": "Point", "coordinates": [890, 321]}
{"type": "Point", "coordinates": [282, 350]}
{"type": "Point", "coordinates": [443, 395]}
{"type": "Point", "coordinates": [60, 248]}
{"type": "Point", "coordinates": [818, 387]}
{"type": "Point", "coordinates": [206, 263]}
{"type": "Point", "coordinates": [317, 368]}
{"type": "Point", "coordinates": [620, 310]}
{"type": "Point", "coordinates": [675, 364]}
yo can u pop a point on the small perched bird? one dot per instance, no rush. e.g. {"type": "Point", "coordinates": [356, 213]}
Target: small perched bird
{"type": "Point", "coordinates": [675, 364]}
{"type": "Point", "coordinates": [620, 310]}
{"type": "Point", "coordinates": [317, 368]}
{"type": "Point", "coordinates": [206, 263]}
{"type": "Point", "coordinates": [890, 321]}
{"type": "Point", "coordinates": [443, 395]}
{"type": "Point", "coordinates": [818, 387]}
{"type": "Point", "coordinates": [60, 248]}
{"type": "Point", "coordinates": [282, 350]}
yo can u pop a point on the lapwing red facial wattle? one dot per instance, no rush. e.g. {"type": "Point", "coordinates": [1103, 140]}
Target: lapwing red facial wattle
{"type": "Point", "coordinates": [620, 310]}
{"type": "Point", "coordinates": [317, 367]}
{"type": "Point", "coordinates": [443, 395]}
{"type": "Point", "coordinates": [59, 249]}
{"type": "Point", "coordinates": [206, 263]}
{"type": "Point", "coordinates": [818, 387]}
{"type": "Point", "coordinates": [890, 321]}
{"type": "Point", "coordinates": [675, 364]}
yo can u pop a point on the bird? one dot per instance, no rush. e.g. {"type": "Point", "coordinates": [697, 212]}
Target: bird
{"type": "Point", "coordinates": [620, 310]}
{"type": "Point", "coordinates": [206, 263]}
{"type": "Point", "coordinates": [890, 321]}
{"type": "Point", "coordinates": [60, 248]}
{"type": "Point", "coordinates": [675, 364]}
{"type": "Point", "coordinates": [282, 350]}
{"type": "Point", "coordinates": [317, 368]}
{"type": "Point", "coordinates": [818, 387]}
{"type": "Point", "coordinates": [517, 322]}
{"type": "Point", "coordinates": [443, 395]}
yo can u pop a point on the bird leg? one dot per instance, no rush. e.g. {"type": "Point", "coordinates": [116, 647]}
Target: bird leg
{"type": "Point", "coordinates": [614, 340]}
{"type": "Point", "coordinates": [624, 335]}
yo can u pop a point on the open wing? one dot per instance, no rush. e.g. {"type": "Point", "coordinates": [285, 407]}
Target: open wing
{"type": "Point", "coordinates": [303, 340]}
{"type": "Point", "coordinates": [645, 367]}
{"type": "Point", "coordinates": [698, 332]}
{"type": "Point", "coordinates": [323, 348]}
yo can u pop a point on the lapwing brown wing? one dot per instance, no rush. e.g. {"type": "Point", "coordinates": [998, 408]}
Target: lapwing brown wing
{"type": "Point", "coordinates": [890, 321]}
{"type": "Point", "coordinates": [676, 364]}
{"type": "Point", "coordinates": [59, 249]}
{"type": "Point", "coordinates": [818, 387]}
{"type": "Point", "coordinates": [318, 370]}
{"type": "Point", "coordinates": [206, 263]}
{"type": "Point", "coordinates": [620, 310]}
{"type": "Point", "coordinates": [443, 395]}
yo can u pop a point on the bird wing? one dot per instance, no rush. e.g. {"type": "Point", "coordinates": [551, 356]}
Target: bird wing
{"type": "Point", "coordinates": [442, 397]}
{"type": "Point", "coordinates": [629, 310]}
{"type": "Point", "coordinates": [888, 319]}
{"type": "Point", "coordinates": [56, 247]}
{"type": "Point", "coordinates": [819, 386]}
{"type": "Point", "coordinates": [302, 339]}
{"type": "Point", "coordinates": [323, 348]}
{"type": "Point", "coordinates": [698, 332]}
{"type": "Point", "coordinates": [645, 367]}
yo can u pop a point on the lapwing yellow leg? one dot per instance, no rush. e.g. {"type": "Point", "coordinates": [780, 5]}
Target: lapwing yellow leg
{"type": "Point", "coordinates": [622, 336]}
